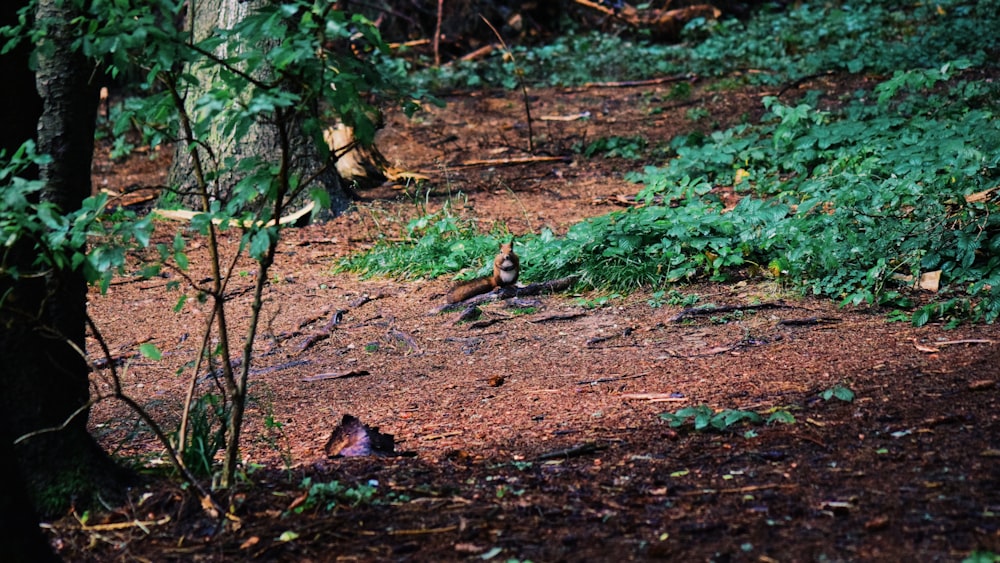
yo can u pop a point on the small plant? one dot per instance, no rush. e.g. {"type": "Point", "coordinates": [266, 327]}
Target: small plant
{"type": "Point", "coordinates": [518, 311]}
{"type": "Point", "coordinates": [631, 148]}
{"type": "Point", "coordinates": [438, 243]}
{"type": "Point", "coordinates": [673, 297]}
{"type": "Point", "coordinates": [329, 495]}
{"type": "Point", "coordinates": [696, 114]}
{"type": "Point", "coordinates": [680, 91]}
{"type": "Point", "coordinates": [838, 392]}
{"type": "Point", "coordinates": [597, 302]}
{"type": "Point", "coordinates": [982, 557]}
{"type": "Point", "coordinates": [704, 418]}
{"type": "Point", "coordinates": [205, 435]}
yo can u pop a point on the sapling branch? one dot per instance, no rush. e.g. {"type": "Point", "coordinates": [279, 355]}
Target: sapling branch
{"type": "Point", "coordinates": [118, 393]}
{"type": "Point", "coordinates": [238, 392]}
{"type": "Point", "coordinates": [519, 74]}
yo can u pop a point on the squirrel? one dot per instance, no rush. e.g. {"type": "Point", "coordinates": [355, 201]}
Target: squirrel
{"type": "Point", "coordinates": [506, 267]}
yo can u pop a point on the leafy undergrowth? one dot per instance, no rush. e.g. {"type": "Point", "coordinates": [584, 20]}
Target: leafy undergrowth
{"type": "Point", "coordinates": [854, 203]}
{"type": "Point", "coordinates": [775, 46]}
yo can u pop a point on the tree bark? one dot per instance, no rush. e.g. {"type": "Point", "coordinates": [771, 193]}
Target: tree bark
{"type": "Point", "coordinates": [44, 380]}
{"type": "Point", "coordinates": [260, 141]}
{"type": "Point", "coordinates": [19, 532]}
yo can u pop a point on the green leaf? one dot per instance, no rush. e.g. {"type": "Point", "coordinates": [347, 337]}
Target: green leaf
{"type": "Point", "coordinates": [180, 302]}
{"type": "Point", "coordinates": [182, 260]}
{"type": "Point", "coordinates": [781, 416]}
{"type": "Point", "coordinates": [840, 392]}
{"type": "Point", "coordinates": [150, 351]}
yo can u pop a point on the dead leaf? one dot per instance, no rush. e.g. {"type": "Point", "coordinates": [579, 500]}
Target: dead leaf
{"type": "Point", "coordinates": [468, 548]}
{"type": "Point", "coordinates": [571, 117]}
{"type": "Point", "coordinates": [741, 175]}
{"type": "Point", "coordinates": [877, 523]}
{"type": "Point", "coordinates": [209, 506]}
{"type": "Point", "coordinates": [298, 501]}
{"type": "Point", "coordinates": [981, 196]}
{"type": "Point", "coordinates": [252, 541]}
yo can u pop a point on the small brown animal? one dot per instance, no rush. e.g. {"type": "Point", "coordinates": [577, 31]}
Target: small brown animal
{"type": "Point", "coordinates": [506, 268]}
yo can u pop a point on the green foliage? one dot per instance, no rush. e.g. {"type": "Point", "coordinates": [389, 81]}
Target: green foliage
{"type": "Point", "coordinates": [861, 36]}
{"type": "Point", "coordinates": [205, 436]}
{"type": "Point", "coordinates": [982, 557]}
{"type": "Point", "coordinates": [59, 237]}
{"type": "Point", "coordinates": [439, 243]}
{"type": "Point", "coordinates": [598, 302]}
{"type": "Point", "coordinates": [672, 297]}
{"type": "Point", "coordinates": [568, 60]}
{"type": "Point", "coordinates": [655, 244]}
{"type": "Point", "coordinates": [873, 36]}
{"type": "Point", "coordinates": [839, 392]}
{"type": "Point", "coordinates": [631, 148]}
{"type": "Point", "coordinates": [331, 494]}
{"type": "Point", "coordinates": [703, 417]}
{"type": "Point", "coordinates": [843, 201]}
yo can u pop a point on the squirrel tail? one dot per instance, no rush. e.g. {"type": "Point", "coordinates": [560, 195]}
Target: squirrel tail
{"type": "Point", "coordinates": [472, 288]}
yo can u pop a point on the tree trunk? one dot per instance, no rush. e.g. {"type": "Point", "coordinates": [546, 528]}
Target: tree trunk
{"type": "Point", "coordinates": [44, 380]}
{"type": "Point", "coordinates": [19, 532]}
{"type": "Point", "coordinates": [260, 141]}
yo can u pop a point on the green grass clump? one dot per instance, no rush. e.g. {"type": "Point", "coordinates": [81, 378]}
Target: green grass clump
{"type": "Point", "coordinates": [439, 243]}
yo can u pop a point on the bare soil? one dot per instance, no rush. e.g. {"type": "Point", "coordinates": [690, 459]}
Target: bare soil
{"type": "Point", "coordinates": [537, 436]}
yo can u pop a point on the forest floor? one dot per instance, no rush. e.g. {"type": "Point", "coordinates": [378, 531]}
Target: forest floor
{"type": "Point", "coordinates": [537, 435]}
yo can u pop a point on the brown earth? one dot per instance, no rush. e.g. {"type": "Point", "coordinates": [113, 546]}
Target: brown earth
{"type": "Point", "coordinates": [538, 437]}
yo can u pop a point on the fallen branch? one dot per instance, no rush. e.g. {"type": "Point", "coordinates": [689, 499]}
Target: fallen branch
{"type": "Point", "coordinates": [740, 490]}
{"type": "Point", "coordinates": [142, 524]}
{"type": "Point", "coordinates": [715, 310]}
{"type": "Point", "coordinates": [632, 83]}
{"type": "Point", "coordinates": [323, 333]}
{"type": "Point", "coordinates": [442, 435]}
{"type": "Point", "coordinates": [591, 342]}
{"type": "Point", "coordinates": [279, 367]}
{"type": "Point", "coordinates": [714, 351]}
{"type": "Point", "coordinates": [477, 54]}
{"type": "Point", "coordinates": [655, 397]}
{"type": "Point", "coordinates": [552, 286]}
{"type": "Point", "coordinates": [488, 322]}
{"type": "Point", "coordinates": [610, 379]}
{"type": "Point", "coordinates": [334, 375]}
{"type": "Point", "coordinates": [421, 531]}
{"type": "Point", "coordinates": [511, 161]}
{"type": "Point", "coordinates": [574, 451]}
{"type": "Point", "coordinates": [808, 321]}
{"type": "Point", "coordinates": [557, 317]}
{"type": "Point", "coordinates": [802, 80]}
{"type": "Point", "coordinates": [292, 219]}
{"type": "Point", "coordinates": [966, 341]}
